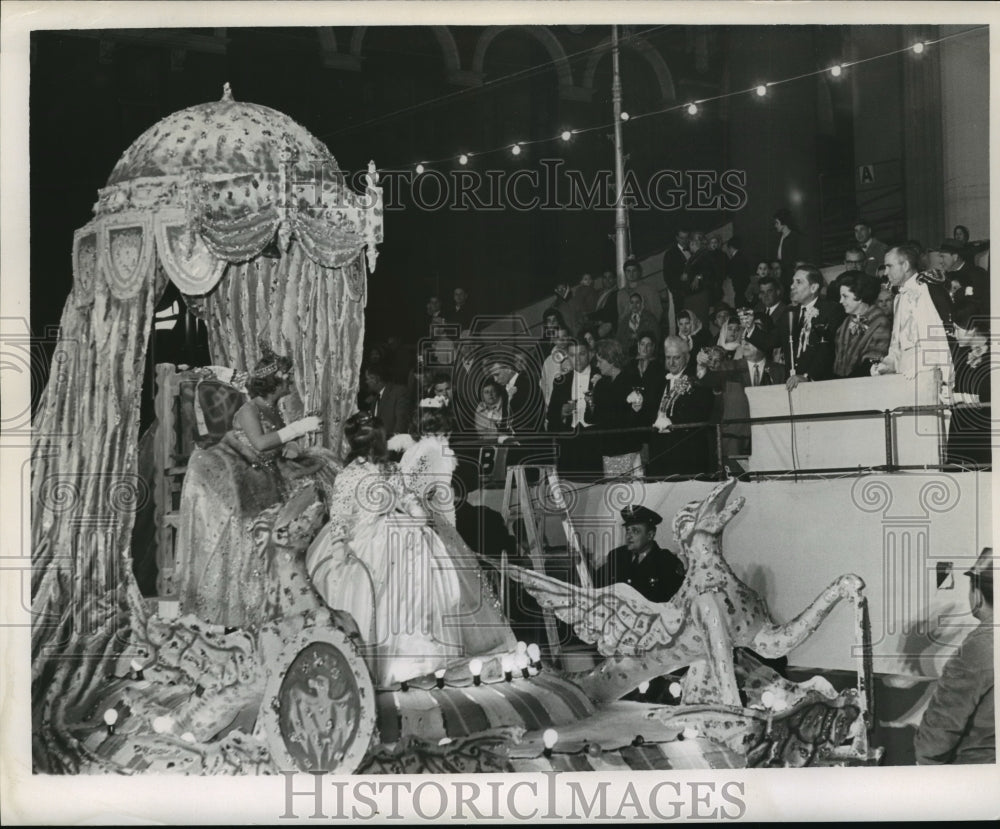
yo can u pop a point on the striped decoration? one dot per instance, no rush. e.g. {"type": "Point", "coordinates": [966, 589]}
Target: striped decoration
{"type": "Point", "coordinates": [543, 701]}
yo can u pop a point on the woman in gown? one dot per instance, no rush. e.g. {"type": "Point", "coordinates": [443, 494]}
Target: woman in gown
{"type": "Point", "coordinates": [256, 473]}
{"type": "Point", "coordinates": [414, 589]}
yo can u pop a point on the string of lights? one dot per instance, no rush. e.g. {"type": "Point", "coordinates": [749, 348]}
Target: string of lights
{"type": "Point", "coordinates": [692, 108]}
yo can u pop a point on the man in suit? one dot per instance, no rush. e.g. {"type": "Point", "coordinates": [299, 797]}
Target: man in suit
{"type": "Point", "coordinates": [807, 333]}
{"type": "Point", "coordinates": [570, 410]}
{"type": "Point", "coordinates": [387, 401]}
{"type": "Point", "coordinates": [873, 249]}
{"type": "Point", "coordinates": [972, 279]}
{"type": "Point", "coordinates": [525, 404]}
{"type": "Point", "coordinates": [634, 284]}
{"type": "Point", "coordinates": [734, 377]}
{"type": "Point", "coordinates": [653, 571]}
{"type": "Point", "coordinates": [675, 260]}
{"type": "Point", "coordinates": [460, 311]}
{"type": "Point", "coordinates": [770, 310]}
{"type": "Point", "coordinates": [787, 250]}
{"type": "Point", "coordinates": [685, 400]}
{"type": "Point", "coordinates": [739, 269]}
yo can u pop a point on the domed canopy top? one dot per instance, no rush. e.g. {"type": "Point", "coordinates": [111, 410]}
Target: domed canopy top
{"type": "Point", "coordinates": [225, 136]}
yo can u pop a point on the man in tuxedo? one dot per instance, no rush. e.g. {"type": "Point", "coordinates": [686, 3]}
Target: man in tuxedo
{"type": "Point", "coordinates": [739, 269]}
{"type": "Point", "coordinates": [525, 405]}
{"type": "Point", "coordinates": [570, 410]}
{"type": "Point", "coordinates": [734, 377]}
{"type": "Point", "coordinates": [808, 331]}
{"type": "Point", "coordinates": [873, 249]}
{"type": "Point", "coordinates": [675, 260]}
{"type": "Point", "coordinates": [387, 401]}
{"type": "Point", "coordinates": [685, 400]}
{"type": "Point", "coordinates": [973, 280]}
{"type": "Point", "coordinates": [652, 570]}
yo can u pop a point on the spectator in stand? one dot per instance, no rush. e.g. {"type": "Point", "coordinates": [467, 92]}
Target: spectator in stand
{"type": "Point", "coordinates": [552, 324]}
{"type": "Point", "coordinates": [691, 331]}
{"type": "Point", "coordinates": [675, 259]}
{"type": "Point", "coordinates": [568, 307]}
{"type": "Point", "coordinates": [645, 376]}
{"type": "Point", "coordinates": [616, 407]}
{"type": "Point", "coordinates": [387, 401]}
{"type": "Point", "coordinates": [636, 319]}
{"type": "Point", "coordinates": [731, 380]}
{"type": "Point", "coordinates": [919, 322]}
{"type": "Point", "coordinates": [524, 400]}
{"type": "Point", "coordinates": [970, 249]}
{"type": "Point", "coordinates": [730, 338]}
{"type": "Point", "coordinates": [571, 409]}
{"type": "Point", "coordinates": [738, 269]}
{"type": "Point", "coordinates": [786, 251]}
{"type": "Point", "coordinates": [491, 418]}
{"type": "Point", "coordinates": [605, 317]}
{"type": "Point", "coordinates": [872, 248]}
{"type": "Point", "coordinates": [461, 313]}
{"type": "Point", "coordinates": [702, 280]}
{"type": "Point", "coordinates": [974, 281]}
{"type": "Point", "coordinates": [634, 284]}
{"type": "Point", "coordinates": [774, 269]}
{"type": "Point", "coordinates": [440, 386]}
{"type": "Point", "coordinates": [677, 451]}
{"type": "Point", "coordinates": [752, 293]}
{"type": "Point", "coordinates": [720, 264]}
{"type": "Point", "coordinates": [970, 434]}
{"type": "Point", "coordinates": [806, 334]}
{"type": "Point", "coordinates": [863, 336]}
{"type": "Point", "coordinates": [885, 299]}
{"type": "Point", "coordinates": [586, 295]}
{"type": "Point", "coordinates": [854, 259]}
{"type": "Point", "coordinates": [555, 365]}
{"type": "Point", "coordinates": [590, 333]}
{"type": "Point", "coordinates": [720, 316]}
{"type": "Point", "coordinates": [770, 306]}
{"type": "Point", "coordinates": [959, 724]}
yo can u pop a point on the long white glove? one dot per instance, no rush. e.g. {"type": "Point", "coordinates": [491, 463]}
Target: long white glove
{"type": "Point", "coordinates": [300, 427]}
{"type": "Point", "coordinates": [663, 423]}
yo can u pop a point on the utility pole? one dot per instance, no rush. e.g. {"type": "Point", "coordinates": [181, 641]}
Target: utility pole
{"type": "Point", "coordinates": [621, 220]}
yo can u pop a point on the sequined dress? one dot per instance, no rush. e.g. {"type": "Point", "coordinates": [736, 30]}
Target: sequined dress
{"type": "Point", "coordinates": [414, 589]}
{"type": "Point", "coordinates": [234, 498]}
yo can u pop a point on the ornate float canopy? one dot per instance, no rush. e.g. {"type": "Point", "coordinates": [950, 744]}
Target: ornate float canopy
{"type": "Point", "coordinates": [218, 183]}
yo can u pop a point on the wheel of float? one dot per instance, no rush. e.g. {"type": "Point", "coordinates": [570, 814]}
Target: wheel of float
{"type": "Point", "coordinates": [318, 711]}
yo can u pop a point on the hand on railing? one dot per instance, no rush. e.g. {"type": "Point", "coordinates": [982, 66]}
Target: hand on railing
{"type": "Point", "coordinates": [662, 423]}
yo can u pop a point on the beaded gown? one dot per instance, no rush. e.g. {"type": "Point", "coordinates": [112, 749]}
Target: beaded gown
{"type": "Point", "coordinates": [391, 557]}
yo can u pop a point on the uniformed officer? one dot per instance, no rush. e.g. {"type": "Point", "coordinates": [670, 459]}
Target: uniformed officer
{"type": "Point", "coordinates": [655, 572]}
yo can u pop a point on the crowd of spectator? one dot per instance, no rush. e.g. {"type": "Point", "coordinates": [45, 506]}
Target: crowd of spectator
{"type": "Point", "coordinates": [616, 375]}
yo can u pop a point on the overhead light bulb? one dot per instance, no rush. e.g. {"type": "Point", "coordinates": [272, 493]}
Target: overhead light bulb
{"type": "Point", "coordinates": [837, 70]}
{"type": "Point", "coordinates": [420, 169]}
{"type": "Point", "coordinates": [516, 149]}
{"type": "Point", "coordinates": [762, 90]}
{"type": "Point", "coordinates": [566, 135]}
{"type": "Point", "coordinates": [918, 47]}
{"type": "Point", "coordinates": [463, 159]}
{"type": "Point", "coordinates": [624, 116]}
{"type": "Point", "coordinates": [692, 109]}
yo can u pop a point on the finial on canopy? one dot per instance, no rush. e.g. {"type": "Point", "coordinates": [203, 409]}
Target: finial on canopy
{"type": "Point", "coordinates": [227, 92]}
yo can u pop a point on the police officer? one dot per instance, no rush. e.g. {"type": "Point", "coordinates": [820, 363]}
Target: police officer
{"type": "Point", "coordinates": [655, 572]}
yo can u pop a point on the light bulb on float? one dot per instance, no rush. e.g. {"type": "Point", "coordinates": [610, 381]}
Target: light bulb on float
{"type": "Point", "coordinates": [439, 677]}
{"type": "Point", "coordinates": [476, 668]}
{"type": "Point", "coordinates": [535, 656]}
{"type": "Point", "coordinates": [549, 738]}
{"type": "Point", "coordinates": [110, 718]}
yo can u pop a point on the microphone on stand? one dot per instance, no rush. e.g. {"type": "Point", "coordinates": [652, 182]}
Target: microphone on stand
{"type": "Point", "coordinates": [792, 312]}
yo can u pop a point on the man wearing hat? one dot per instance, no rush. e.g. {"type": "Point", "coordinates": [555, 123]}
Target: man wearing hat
{"type": "Point", "coordinates": [655, 572]}
{"type": "Point", "coordinates": [958, 724]}
{"type": "Point", "coordinates": [973, 279]}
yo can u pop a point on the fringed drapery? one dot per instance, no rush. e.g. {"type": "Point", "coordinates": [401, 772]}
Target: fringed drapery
{"type": "Point", "coordinates": [316, 314]}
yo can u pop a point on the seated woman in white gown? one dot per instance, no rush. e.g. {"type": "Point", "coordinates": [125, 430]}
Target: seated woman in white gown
{"type": "Point", "coordinates": [414, 589]}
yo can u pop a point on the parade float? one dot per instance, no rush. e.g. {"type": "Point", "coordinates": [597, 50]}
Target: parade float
{"type": "Point", "coordinates": [118, 686]}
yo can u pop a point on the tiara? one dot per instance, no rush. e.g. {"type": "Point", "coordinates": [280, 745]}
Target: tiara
{"type": "Point", "coordinates": [270, 363]}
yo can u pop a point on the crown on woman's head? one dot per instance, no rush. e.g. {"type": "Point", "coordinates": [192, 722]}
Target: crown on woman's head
{"type": "Point", "coordinates": [269, 363]}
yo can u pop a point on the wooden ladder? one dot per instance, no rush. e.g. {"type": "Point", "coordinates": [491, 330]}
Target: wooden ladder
{"type": "Point", "coordinates": [534, 526]}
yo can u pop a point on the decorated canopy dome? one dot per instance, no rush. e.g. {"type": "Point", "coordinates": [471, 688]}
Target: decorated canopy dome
{"type": "Point", "coordinates": [216, 183]}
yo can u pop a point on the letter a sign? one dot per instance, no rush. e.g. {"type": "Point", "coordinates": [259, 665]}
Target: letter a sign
{"type": "Point", "coordinates": [866, 174]}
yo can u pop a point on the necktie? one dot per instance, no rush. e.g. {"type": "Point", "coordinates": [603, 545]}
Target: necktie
{"type": "Point", "coordinates": [378, 400]}
{"type": "Point", "coordinates": [756, 374]}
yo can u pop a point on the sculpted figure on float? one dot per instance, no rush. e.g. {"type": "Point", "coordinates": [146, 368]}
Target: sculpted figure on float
{"type": "Point", "coordinates": [712, 613]}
